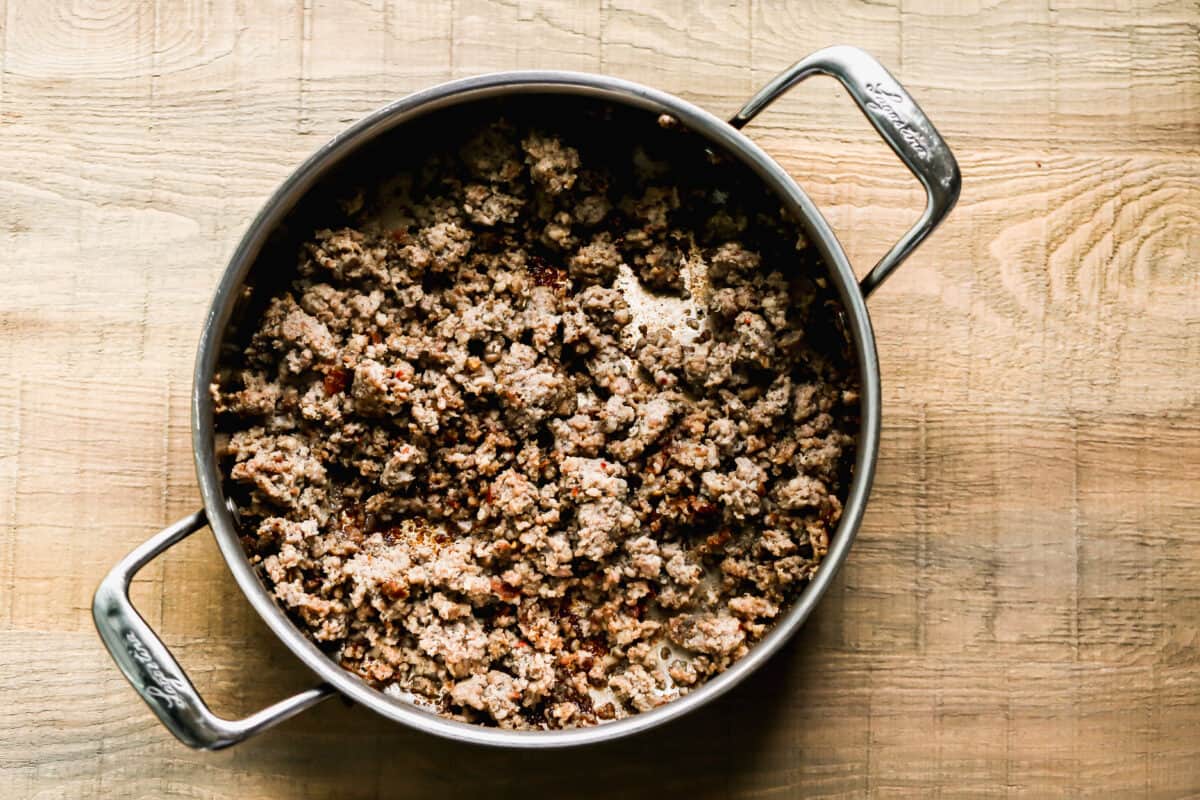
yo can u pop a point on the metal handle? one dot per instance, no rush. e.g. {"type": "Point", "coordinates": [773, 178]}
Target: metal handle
{"type": "Point", "coordinates": [901, 123]}
{"type": "Point", "coordinates": [154, 672]}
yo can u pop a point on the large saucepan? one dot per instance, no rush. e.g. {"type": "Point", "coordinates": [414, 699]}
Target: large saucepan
{"type": "Point", "coordinates": [144, 658]}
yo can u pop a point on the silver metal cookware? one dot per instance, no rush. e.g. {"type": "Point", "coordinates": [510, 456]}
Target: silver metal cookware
{"type": "Point", "coordinates": [149, 665]}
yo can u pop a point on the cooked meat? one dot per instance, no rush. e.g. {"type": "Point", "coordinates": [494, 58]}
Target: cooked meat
{"type": "Point", "coordinates": [478, 476]}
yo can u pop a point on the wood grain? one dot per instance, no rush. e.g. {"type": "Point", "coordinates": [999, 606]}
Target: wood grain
{"type": "Point", "coordinates": [1021, 613]}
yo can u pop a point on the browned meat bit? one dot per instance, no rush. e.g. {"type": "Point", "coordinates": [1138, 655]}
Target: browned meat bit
{"type": "Point", "coordinates": [731, 263]}
{"type": "Point", "coordinates": [382, 389]}
{"type": "Point", "coordinates": [714, 634]}
{"type": "Point", "coordinates": [661, 268]}
{"type": "Point", "coordinates": [739, 491]}
{"type": "Point", "coordinates": [439, 248]}
{"type": "Point", "coordinates": [303, 338]}
{"type": "Point", "coordinates": [282, 469]}
{"type": "Point", "coordinates": [257, 397]}
{"type": "Point", "coordinates": [473, 468]}
{"type": "Point", "coordinates": [605, 308]}
{"type": "Point", "coordinates": [552, 164]}
{"type": "Point", "coordinates": [488, 206]}
{"type": "Point", "coordinates": [344, 253]}
{"type": "Point", "coordinates": [661, 354]}
{"type": "Point", "coordinates": [531, 390]}
{"type": "Point", "coordinates": [596, 262]}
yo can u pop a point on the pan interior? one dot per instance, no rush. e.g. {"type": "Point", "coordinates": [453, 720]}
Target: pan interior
{"type": "Point", "coordinates": [332, 191]}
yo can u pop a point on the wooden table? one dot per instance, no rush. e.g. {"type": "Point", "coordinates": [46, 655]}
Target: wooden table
{"type": "Point", "coordinates": [1021, 613]}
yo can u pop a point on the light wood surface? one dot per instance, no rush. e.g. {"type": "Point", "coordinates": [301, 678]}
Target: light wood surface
{"type": "Point", "coordinates": [1021, 612]}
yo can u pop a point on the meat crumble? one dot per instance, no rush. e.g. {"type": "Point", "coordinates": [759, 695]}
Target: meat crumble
{"type": "Point", "coordinates": [537, 441]}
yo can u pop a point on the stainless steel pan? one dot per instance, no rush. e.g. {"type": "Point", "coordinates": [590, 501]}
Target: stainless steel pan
{"type": "Point", "coordinates": [146, 661]}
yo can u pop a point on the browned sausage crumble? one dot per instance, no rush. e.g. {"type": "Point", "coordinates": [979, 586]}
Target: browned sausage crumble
{"type": "Point", "coordinates": [543, 443]}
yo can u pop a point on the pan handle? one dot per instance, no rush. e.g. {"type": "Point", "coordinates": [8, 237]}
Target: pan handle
{"type": "Point", "coordinates": [153, 671]}
{"type": "Point", "coordinates": [901, 123]}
